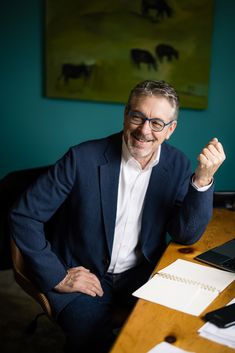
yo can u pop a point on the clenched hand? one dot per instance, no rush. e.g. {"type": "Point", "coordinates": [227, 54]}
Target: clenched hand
{"type": "Point", "coordinates": [209, 161]}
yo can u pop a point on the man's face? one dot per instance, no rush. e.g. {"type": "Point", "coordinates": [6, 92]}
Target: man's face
{"type": "Point", "coordinates": [141, 141]}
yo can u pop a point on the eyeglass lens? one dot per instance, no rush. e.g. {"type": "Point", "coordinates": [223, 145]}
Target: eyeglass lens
{"type": "Point", "coordinates": [155, 124]}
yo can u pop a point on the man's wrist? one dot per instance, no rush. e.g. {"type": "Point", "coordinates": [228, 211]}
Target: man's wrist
{"type": "Point", "coordinates": [202, 185]}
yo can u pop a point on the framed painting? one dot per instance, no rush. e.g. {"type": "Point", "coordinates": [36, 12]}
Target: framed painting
{"type": "Point", "coordinates": [98, 50]}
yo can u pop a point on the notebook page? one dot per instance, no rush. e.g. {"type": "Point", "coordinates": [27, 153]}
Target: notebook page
{"type": "Point", "coordinates": [178, 286]}
{"type": "Point", "coordinates": [210, 276]}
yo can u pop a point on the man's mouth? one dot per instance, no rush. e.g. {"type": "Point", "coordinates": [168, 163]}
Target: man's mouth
{"type": "Point", "coordinates": [141, 138]}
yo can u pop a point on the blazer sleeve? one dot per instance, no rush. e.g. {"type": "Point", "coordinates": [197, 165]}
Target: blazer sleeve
{"type": "Point", "coordinates": [191, 214]}
{"type": "Point", "coordinates": [35, 207]}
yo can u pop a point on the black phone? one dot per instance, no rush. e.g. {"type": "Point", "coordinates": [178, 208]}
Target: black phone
{"type": "Point", "coordinates": [222, 317]}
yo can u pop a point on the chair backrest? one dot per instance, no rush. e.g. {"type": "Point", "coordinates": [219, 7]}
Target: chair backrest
{"type": "Point", "coordinates": [11, 187]}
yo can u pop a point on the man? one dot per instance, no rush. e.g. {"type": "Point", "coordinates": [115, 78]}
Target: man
{"type": "Point", "coordinates": [120, 196]}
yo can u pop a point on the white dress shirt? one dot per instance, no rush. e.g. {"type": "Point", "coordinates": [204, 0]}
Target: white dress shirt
{"type": "Point", "coordinates": [132, 187]}
{"type": "Point", "coordinates": [133, 183]}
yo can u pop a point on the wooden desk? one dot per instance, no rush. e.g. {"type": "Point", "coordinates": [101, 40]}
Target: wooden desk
{"type": "Point", "coordinates": [150, 324]}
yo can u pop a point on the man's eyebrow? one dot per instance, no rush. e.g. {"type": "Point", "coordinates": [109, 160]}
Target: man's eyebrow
{"type": "Point", "coordinates": [138, 112]}
{"type": "Point", "coordinates": [143, 115]}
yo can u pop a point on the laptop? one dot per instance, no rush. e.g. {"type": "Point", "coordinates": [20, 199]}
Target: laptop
{"type": "Point", "coordinates": [222, 256]}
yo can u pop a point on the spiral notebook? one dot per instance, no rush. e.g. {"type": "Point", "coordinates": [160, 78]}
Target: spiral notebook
{"type": "Point", "coordinates": [185, 286]}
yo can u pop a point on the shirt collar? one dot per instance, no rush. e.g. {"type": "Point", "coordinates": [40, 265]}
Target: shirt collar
{"type": "Point", "coordinates": [127, 157]}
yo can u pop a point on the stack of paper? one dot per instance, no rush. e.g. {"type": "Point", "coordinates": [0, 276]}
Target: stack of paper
{"type": "Point", "coordinates": [224, 336]}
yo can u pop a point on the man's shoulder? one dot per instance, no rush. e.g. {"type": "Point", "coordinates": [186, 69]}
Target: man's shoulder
{"type": "Point", "coordinates": [96, 149]}
{"type": "Point", "coordinates": [99, 142]}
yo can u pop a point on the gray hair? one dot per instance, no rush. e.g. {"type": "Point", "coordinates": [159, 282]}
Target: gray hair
{"type": "Point", "coordinates": [155, 88]}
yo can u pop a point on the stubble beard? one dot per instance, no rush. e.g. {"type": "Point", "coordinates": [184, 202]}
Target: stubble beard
{"type": "Point", "coordinates": [139, 153]}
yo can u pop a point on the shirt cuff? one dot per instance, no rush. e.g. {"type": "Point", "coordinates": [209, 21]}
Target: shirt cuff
{"type": "Point", "coordinates": [203, 188]}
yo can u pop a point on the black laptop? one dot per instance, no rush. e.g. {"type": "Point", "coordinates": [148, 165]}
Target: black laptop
{"type": "Point", "coordinates": [223, 256]}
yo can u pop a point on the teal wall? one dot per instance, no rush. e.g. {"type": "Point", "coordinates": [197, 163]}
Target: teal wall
{"type": "Point", "coordinates": [36, 131]}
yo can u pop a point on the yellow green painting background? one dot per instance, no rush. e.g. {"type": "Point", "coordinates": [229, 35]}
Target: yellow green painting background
{"type": "Point", "coordinates": [101, 33]}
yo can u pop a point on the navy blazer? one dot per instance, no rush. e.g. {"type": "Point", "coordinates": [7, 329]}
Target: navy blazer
{"type": "Point", "coordinates": [83, 186]}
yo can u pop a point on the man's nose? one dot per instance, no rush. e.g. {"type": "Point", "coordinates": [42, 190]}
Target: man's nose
{"type": "Point", "coordinates": [145, 127]}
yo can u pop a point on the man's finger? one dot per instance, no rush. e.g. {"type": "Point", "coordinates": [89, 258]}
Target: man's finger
{"type": "Point", "coordinates": [78, 268]}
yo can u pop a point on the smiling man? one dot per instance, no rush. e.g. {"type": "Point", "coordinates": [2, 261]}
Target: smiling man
{"type": "Point", "coordinates": [117, 198]}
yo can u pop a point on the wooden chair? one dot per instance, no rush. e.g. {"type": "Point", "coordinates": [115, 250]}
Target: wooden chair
{"type": "Point", "coordinates": [23, 278]}
{"type": "Point", "coordinates": [11, 187]}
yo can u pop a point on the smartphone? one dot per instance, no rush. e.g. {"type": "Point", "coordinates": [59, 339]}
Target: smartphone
{"type": "Point", "coordinates": [222, 317]}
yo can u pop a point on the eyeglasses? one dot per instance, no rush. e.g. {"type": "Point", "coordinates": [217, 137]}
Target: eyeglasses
{"type": "Point", "coordinates": [138, 118]}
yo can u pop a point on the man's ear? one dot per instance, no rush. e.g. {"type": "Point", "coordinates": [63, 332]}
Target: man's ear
{"type": "Point", "coordinates": [171, 129]}
{"type": "Point", "coordinates": [126, 111]}
{"type": "Point", "coordinates": [127, 108]}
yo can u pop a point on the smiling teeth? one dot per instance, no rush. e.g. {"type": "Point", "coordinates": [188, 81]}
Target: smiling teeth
{"type": "Point", "coordinates": [141, 140]}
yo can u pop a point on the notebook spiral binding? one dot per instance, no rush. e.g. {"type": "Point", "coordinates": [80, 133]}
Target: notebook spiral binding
{"type": "Point", "coordinates": [187, 281]}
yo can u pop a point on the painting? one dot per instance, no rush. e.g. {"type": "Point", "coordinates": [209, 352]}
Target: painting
{"type": "Point", "coordinates": [97, 50]}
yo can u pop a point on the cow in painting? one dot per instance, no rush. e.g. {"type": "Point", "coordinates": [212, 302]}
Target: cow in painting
{"type": "Point", "coordinates": [139, 56]}
{"type": "Point", "coordinates": [72, 71]}
{"type": "Point", "coordinates": [166, 51]}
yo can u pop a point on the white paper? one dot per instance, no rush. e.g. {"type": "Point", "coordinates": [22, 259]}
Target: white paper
{"type": "Point", "coordinates": [185, 286]}
{"type": "Point", "coordinates": [165, 347]}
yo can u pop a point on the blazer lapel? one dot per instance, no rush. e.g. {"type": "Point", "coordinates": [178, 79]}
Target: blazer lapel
{"type": "Point", "coordinates": [109, 178]}
{"type": "Point", "coordinates": [155, 196]}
